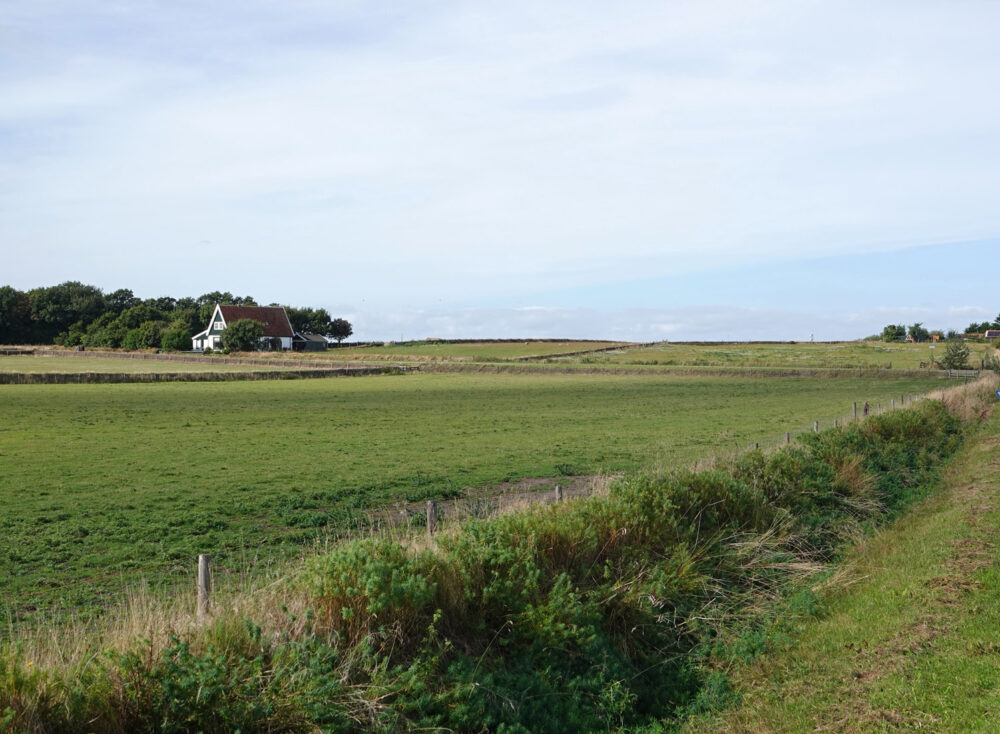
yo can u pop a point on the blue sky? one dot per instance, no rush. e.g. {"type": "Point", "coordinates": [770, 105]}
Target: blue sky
{"type": "Point", "coordinates": [641, 170]}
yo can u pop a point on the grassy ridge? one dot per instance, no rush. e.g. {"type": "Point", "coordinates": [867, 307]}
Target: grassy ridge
{"type": "Point", "coordinates": [577, 617]}
{"type": "Point", "coordinates": [104, 484]}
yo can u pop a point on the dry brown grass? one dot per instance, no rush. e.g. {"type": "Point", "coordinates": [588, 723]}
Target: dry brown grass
{"type": "Point", "coordinates": [971, 401]}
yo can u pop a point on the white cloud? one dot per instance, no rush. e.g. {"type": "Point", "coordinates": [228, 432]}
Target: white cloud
{"type": "Point", "coordinates": [459, 150]}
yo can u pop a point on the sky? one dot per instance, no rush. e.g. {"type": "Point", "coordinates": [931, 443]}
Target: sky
{"type": "Point", "coordinates": [633, 170]}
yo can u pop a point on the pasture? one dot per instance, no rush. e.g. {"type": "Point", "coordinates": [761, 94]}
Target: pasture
{"type": "Point", "coordinates": [485, 351]}
{"type": "Point", "coordinates": [106, 484]}
{"type": "Point", "coordinates": [77, 365]}
{"type": "Point", "coordinates": [844, 355]}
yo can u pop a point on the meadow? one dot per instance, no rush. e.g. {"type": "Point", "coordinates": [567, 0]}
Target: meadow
{"type": "Point", "coordinates": [485, 351]}
{"type": "Point", "coordinates": [857, 354]}
{"type": "Point", "coordinates": [628, 611]}
{"type": "Point", "coordinates": [104, 485]}
{"type": "Point", "coordinates": [73, 365]}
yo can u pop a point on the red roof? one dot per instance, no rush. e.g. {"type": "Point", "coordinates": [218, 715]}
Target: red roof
{"type": "Point", "coordinates": [274, 318]}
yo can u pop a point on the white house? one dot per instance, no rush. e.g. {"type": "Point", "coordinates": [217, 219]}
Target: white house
{"type": "Point", "coordinates": [274, 319]}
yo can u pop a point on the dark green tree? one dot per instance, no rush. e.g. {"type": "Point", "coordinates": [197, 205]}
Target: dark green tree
{"type": "Point", "coordinates": [134, 317]}
{"type": "Point", "coordinates": [243, 335]}
{"type": "Point", "coordinates": [55, 309]}
{"type": "Point", "coordinates": [121, 299]}
{"type": "Point", "coordinates": [176, 339]}
{"type": "Point", "coordinates": [163, 304]}
{"type": "Point", "coordinates": [15, 316]}
{"type": "Point", "coordinates": [145, 336]}
{"type": "Point", "coordinates": [893, 333]}
{"type": "Point", "coordinates": [312, 320]}
{"type": "Point", "coordinates": [186, 318]}
{"type": "Point", "coordinates": [339, 329]}
{"type": "Point", "coordinates": [105, 331]}
{"type": "Point", "coordinates": [919, 333]}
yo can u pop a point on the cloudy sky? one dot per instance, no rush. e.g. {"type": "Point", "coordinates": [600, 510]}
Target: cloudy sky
{"type": "Point", "coordinates": [637, 170]}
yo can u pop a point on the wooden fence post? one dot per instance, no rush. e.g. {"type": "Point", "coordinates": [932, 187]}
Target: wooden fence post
{"type": "Point", "coordinates": [432, 517]}
{"type": "Point", "coordinates": [756, 445]}
{"type": "Point", "coordinates": [559, 493]}
{"type": "Point", "coordinates": [892, 405]}
{"type": "Point", "coordinates": [788, 436]}
{"type": "Point", "coordinates": [815, 426]}
{"type": "Point", "coordinates": [204, 584]}
{"type": "Point", "coordinates": [836, 423]}
{"type": "Point", "coordinates": [855, 411]}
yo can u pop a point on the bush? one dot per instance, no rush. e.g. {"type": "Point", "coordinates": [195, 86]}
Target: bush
{"type": "Point", "coordinates": [243, 335]}
{"type": "Point", "coordinates": [956, 355]}
{"type": "Point", "coordinates": [145, 336]}
{"type": "Point", "coordinates": [177, 340]}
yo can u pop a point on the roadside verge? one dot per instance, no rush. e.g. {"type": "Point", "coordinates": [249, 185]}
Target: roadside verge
{"type": "Point", "coordinates": [907, 635]}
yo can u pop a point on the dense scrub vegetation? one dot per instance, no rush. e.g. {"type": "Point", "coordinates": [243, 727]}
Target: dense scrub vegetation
{"type": "Point", "coordinates": [74, 314]}
{"type": "Point", "coordinates": [605, 614]}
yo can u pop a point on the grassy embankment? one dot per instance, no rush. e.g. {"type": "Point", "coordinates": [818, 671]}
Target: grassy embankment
{"type": "Point", "coordinates": [907, 635]}
{"type": "Point", "coordinates": [104, 485]}
{"type": "Point", "coordinates": [599, 614]}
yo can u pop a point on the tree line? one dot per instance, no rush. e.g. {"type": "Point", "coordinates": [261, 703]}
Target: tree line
{"type": "Point", "coordinates": [918, 333]}
{"type": "Point", "coordinates": [956, 354]}
{"type": "Point", "coordinates": [75, 314]}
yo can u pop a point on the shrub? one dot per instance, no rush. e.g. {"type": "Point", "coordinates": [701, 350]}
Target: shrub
{"type": "Point", "coordinates": [956, 355]}
{"type": "Point", "coordinates": [243, 335]}
{"type": "Point", "coordinates": [177, 340]}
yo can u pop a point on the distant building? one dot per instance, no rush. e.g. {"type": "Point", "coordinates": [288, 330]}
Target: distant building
{"type": "Point", "coordinates": [992, 334]}
{"type": "Point", "coordinates": [306, 342]}
{"type": "Point", "coordinates": [275, 320]}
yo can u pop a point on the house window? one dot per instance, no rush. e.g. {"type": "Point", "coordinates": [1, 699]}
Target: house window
{"type": "Point", "coordinates": [219, 326]}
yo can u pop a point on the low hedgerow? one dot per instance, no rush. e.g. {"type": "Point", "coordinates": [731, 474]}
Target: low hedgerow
{"type": "Point", "coordinates": [598, 614]}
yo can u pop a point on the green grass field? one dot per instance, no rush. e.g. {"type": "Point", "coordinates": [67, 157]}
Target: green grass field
{"type": "Point", "coordinates": [77, 365]}
{"type": "Point", "coordinates": [802, 354]}
{"type": "Point", "coordinates": [486, 351]}
{"type": "Point", "coordinates": [103, 484]}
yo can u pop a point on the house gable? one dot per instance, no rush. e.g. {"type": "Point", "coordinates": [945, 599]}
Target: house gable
{"type": "Point", "coordinates": [217, 324]}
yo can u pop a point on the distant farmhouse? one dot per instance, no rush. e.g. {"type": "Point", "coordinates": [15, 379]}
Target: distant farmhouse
{"type": "Point", "coordinates": [275, 321]}
{"type": "Point", "coordinates": [992, 334]}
